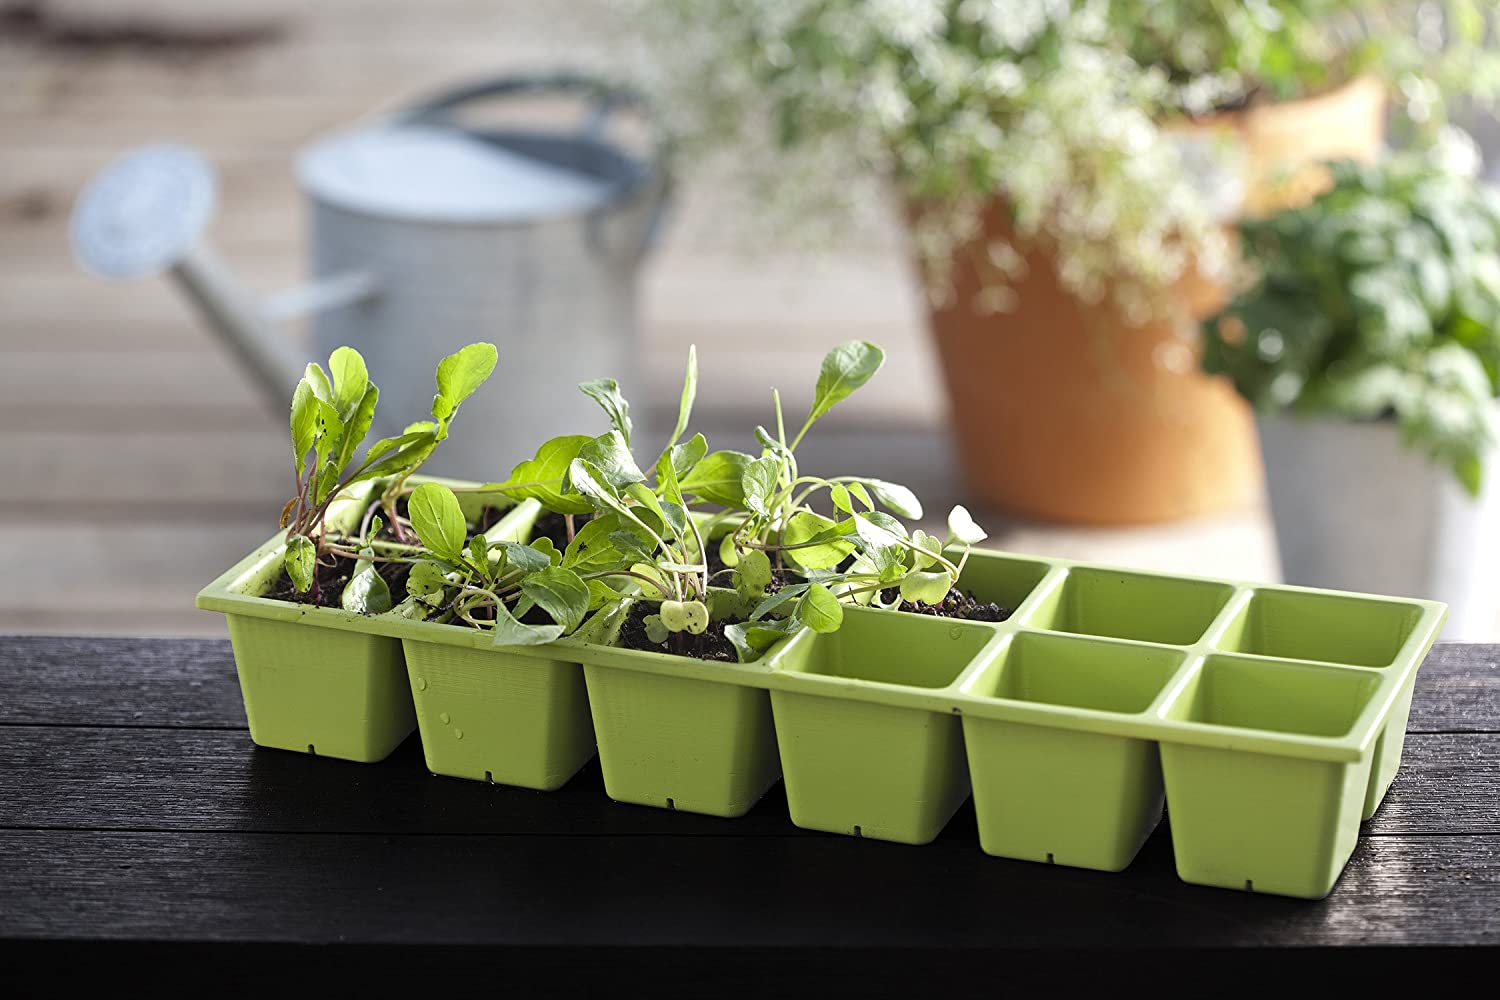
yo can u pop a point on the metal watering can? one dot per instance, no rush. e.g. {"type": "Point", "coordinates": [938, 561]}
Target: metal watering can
{"type": "Point", "coordinates": [426, 235]}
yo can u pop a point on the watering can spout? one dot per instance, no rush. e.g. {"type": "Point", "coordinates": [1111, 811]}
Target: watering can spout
{"type": "Point", "coordinates": [145, 214]}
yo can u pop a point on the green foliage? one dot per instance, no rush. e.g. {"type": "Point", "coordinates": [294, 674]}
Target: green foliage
{"type": "Point", "coordinates": [1380, 299]}
{"type": "Point", "coordinates": [331, 415]}
{"type": "Point", "coordinates": [789, 566]}
{"type": "Point", "coordinates": [1064, 110]}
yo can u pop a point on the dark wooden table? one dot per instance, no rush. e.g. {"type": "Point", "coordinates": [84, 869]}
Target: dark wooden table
{"type": "Point", "coordinates": [141, 834]}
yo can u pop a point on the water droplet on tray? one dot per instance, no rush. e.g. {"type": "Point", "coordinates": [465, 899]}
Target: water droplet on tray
{"type": "Point", "coordinates": [446, 718]}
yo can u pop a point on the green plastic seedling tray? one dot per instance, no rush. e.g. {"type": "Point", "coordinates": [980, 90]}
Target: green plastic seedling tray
{"type": "Point", "coordinates": [1270, 719]}
{"type": "Point", "coordinates": [340, 684]}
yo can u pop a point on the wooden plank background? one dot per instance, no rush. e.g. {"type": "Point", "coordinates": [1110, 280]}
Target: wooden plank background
{"type": "Point", "coordinates": [139, 461]}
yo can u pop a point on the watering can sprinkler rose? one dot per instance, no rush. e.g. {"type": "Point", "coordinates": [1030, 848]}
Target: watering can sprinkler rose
{"type": "Point", "coordinates": [425, 233]}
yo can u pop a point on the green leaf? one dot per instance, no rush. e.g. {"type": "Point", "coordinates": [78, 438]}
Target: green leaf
{"type": "Point", "coordinates": [301, 561]}
{"type": "Point", "coordinates": [819, 610]}
{"type": "Point", "coordinates": [754, 572]}
{"type": "Point", "coordinates": [601, 593]}
{"type": "Point", "coordinates": [719, 479]}
{"type": "Point", "coordinates": [547, 549]}
{"type": "Point", "coordinates": [399, 454]}
{"type": "Point", "coordinates": [728, 554]}
{"type": "Point", "coordinates": [591, 483]}
{"type": "Point", "coordinates": [689, 394]}
{"type": "Point", "coordinates": [510, 632]}
{"type": "Point", "coordinates": [752, 639]}
{"type": "Point", "coordinates": [929, 546]}
{"type": "Point", "coordinates": [317, 380]}
{"type": "Point", "coordinates": [366, 593]}
{"type": "Point", "coordinates": [805, 526]}
{"type": "Point", "coordinates": [458, 375]}
{"type": "Point", "coordinates": [350, 380]}
{"type": "Point", "coordinates": [840, 497]}
{"type": "Point", "coordinates": [929, 588]}
{"type": "Point", "coordinates": [685, 616]}
{"type": "Point", "coordinates": [426, 579]}
{"type": "Point", "coordinates": [759, 484]}
{"type": "Point", "coordinates": [961, 527]}
{"type": "Point", "coordinates": [895, 498]}
{"type": "Point", "coordinates": [610, 455]}
{"type": "Point", "coordinates": [777, 599]}
{"type": "Point", "coordinates": [357, 425]}
{"type": "Point", "coordinates": [656, 630]}
{"type": "Point", "coordinates": [542, 477]}
{"type": "Point", "coordinates": [479, 553]}
{"type": "Point", "coordinates": [845, 368]}
{"type": "Point", "coordinates": [592, 549]}
{"type": "Point", "coordinates": [329, 435]}
{"type": "Point", "coordinates": [684, 457]}
{"type": "Point", "coordinates": [559, 592]}
{"type": "Point", "coordinates": [524, 557]}
{"type": "Point", "coordinates": [632, 545]}
{"type": "Point", "coordinates": [304, 424]}
{"type": "Point", "coordinates": [438, 520]}
{"type": "Point", "coordinates": [606, 392]}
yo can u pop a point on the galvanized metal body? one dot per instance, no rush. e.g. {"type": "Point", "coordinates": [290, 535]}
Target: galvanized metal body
{"type": "Point", "coordinates": [426, 235]}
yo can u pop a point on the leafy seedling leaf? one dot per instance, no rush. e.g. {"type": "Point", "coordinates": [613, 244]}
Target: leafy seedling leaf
{"type": "Point", "coordinates": [559, 592]}
{"type": "Point", "coordinates": [819, 610]}
{"type": "Point", "coordinates": [719, 479]}
{"type": "Point", "coordinates": [961, 527]}
{"type": "Point", "coordinates": [438, 520]}
{"type": "Point", "coordinates": [301, 562]}
{"type": "Point", "coordinates": [927, 587]}
{"type": "Point", "coordinates": [606, 392]}
{"type": "Point", "coordinates": [845, 368]}
{"type": "Point", "coordinates": [366, 593]}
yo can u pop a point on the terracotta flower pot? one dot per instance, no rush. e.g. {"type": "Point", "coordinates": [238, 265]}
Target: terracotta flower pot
{"type": "Point", "coordinates": [1065, 411]}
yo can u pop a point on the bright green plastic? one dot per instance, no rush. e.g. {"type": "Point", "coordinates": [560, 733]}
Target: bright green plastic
{"type": "Point", "coordinates": [324, 680]}
{"type": "Point", "coordinates": [492, 715]}
{"type": "Point", "coordinates": [1106, 689]}
{"type": "Point", "coordinates": [678, 733]}
{"type": "Point", "coordinates": [321, 691]}
{"type": "Point", "coordinates": [1046, 794]}
{"type": "Point", "coordinates": [868, 766]}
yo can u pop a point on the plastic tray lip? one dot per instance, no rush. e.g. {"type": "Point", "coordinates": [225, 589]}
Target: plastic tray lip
{"type": "Point", "coordinates": [224, 594]}
{"type": "Point", "coordinates": [884, 692]}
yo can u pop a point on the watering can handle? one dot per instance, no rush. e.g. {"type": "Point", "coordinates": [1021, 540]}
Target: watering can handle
{"type": "Point", "coordinates": [605, 99]}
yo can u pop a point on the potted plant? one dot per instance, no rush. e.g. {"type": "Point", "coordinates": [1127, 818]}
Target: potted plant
{"type": "Point", "coordinates": [319, 671]}
{"type": "Point", "coordinates": [1066, 171]}
{"type": "Point", "coordinates": [1370, 345]}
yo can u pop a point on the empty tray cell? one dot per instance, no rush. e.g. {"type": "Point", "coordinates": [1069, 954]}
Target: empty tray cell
{"type": "Point", "coordinates": [1002, 579]}
{"type": "Point", "coordinates": [1267, 815]}
{"type": "Point", "coordinates": [1058, 789]}
{"type": "Point", "coordinates": [856, 763]}
{"type": "Point", "coordinates": [1337, 628]}
{"type": "Point", "coordinates": [1131, 606]}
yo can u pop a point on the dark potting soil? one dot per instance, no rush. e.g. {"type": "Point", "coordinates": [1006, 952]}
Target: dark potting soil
{"type": "Point", "coordinates": [957, 604]}
{"type": "Point", "coordinates": [711, 645]}
{"type": "Point", "coordinates": [555, 527]}
{"type": "Point", "coordinates": [334, 575]}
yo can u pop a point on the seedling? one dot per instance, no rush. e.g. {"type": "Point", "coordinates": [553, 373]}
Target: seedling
{"type": "Point", "coordinates": [331, 414]}
{"type": "Point", "coordinates": [786, 565]}
{"type": "Point", "coordinates": [856, 552]}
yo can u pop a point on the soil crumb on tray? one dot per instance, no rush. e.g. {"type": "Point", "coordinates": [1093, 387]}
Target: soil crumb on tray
{"type": "Point", "coordinates": [957, 604]}
{"type": "Point", "coordinates": [711, 645]}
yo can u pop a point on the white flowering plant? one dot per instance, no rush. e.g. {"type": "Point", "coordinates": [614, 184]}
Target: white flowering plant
{"type": "Point", "coordinates": [1056, 107]}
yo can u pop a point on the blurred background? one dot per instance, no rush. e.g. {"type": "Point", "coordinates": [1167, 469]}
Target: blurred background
{"type": "Point", "coordinates": [144, 453]}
